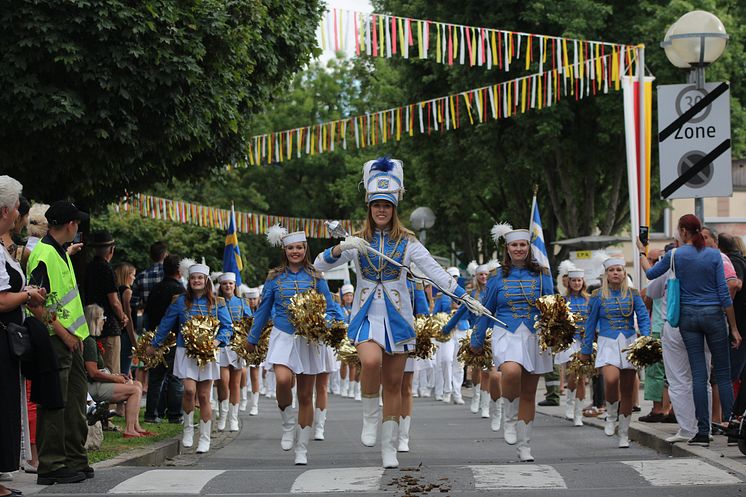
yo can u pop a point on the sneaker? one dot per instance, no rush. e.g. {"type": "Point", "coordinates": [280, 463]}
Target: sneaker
{"type": "Point", "coordinates": [176, 421]}
{"type": "Point", "coordinates": [6, 476]}
{"type": "Point", "coordinates": [88, 472]}
{"type": "Point", "coordinates": [548, 403]}
{"type": "Point", "coordinates": [636, 408]}
{"type": "Point", "coordinates": [678, 437]}
{"type": "Point", "coordinates": [62, 475]}
{"type": "Point", "coordinates": [154, 421]}
{"type": "Point", "coordinates": [700, 440]}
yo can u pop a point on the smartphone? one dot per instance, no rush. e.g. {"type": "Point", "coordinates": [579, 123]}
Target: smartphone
{"type": "Point", "coordinates": [644, 230]}
{"type": "Point", "coordinates": [78, 237]}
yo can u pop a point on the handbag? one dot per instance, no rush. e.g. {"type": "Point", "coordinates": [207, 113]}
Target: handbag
{"type": "Point", "coordinates": [19, 341]}
{"type": "Point", "coordinates": [673, 295]}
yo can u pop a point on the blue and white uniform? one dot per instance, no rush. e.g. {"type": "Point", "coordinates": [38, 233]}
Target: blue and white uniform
{"type": "Point", "coordinates": [578, 306]}
{"type": "Point", "coordinates": [613, 319]}
{"type": "Point", "coordinates": [284, 346]}
{"type": "Point", "coordinates": [176, 316]}
{"type": "Point", "coordinates": [511, 299]}
{"type": "Point", "coordinates": [238, 309]}
{"type": "Point", "coordinates": [382, 308]}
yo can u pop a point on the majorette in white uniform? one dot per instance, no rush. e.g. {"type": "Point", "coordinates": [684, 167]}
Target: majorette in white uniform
{"type": "Point", "coordinates": [185, 367]}
{"type": "Point", "coordinates": [251, 294]}
{"type": "Point", "coordinates": [285, 347]}
{"type": "Point", "coordinates": [382, 310]}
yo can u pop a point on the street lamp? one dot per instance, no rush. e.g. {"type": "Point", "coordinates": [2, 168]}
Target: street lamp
{"type": "Point", "coordinates": [694, 41]}
{"type": "Point", "coordinates": [422, 219]}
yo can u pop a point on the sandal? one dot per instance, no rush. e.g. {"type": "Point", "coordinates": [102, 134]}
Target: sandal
{"type": "Point", "coordinates": [591, 412]}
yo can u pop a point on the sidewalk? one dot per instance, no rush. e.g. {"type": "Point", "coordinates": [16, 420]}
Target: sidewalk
{"type": "Point", "coordinates": [653, 435]}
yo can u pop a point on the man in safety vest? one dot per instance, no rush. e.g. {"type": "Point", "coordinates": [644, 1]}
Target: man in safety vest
{"type": "Point", "coordinates": [61, 433]}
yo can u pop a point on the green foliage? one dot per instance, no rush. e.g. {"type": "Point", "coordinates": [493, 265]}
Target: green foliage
{"type": "Point", "coordinates": [104, 96]}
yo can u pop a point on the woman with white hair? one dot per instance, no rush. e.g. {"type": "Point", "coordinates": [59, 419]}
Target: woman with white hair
{"type": "Point", "coordinates": [611, 316]}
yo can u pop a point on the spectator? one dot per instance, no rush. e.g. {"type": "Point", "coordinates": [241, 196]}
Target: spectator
{"type": "Point", "coordinates": [731, 277]}
{"type": "Point", "coordinates": [104, 386]}
{"type": "Point", "coordinates": [165, 391]}
{"type": "Point", "coordinates": [704, 296]}
{"type": "Point", "coordinates": [101, 289]}
{"type": "Point", "coordinates": [13, 238]}
{"type": "Point", "coordinates": [728, 245]}
{"type": "Point", "coordinates": [124, 276]}
{"type": "Point", "coordinates": [61, 433]}
{"type": "Point", "coordinates": [146, 281]}
{"type": "Point", "coordinates": [13, 296]}
{"type": "Point", "coordinates": [37, 228]}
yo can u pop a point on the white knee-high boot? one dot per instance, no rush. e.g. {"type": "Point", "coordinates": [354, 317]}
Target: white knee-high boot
{"type": "Point", "coordinates": [611, 417]}
{"type": "Point", "coordinates": [345, 387]}
{"type": "Point", "coordinates": [484, 402]}
{"type": "Point", "coordinates": [523, 434]}
{"type": "Point", "coordinates": [371, 413]}
{"type": "Point", "coordinates": [624, 431]}
{"type": "Point", "coordinates": [205, 427]}
{"type": "Point", "coordinates": [474, 406]}
{"type": "Point", "coordinates": [244, 398]}
{"type": "Point", "coordinates": [389, 442]}
{"type": "Point", "coordinates": [301, 445]}
{"type": "Point", "coordinates": [570, 404]}
{"type": "Point", "coordinates": [288, 428]}
{"type": "Point", "coordinates": [497, 414]}
{"type": "Point", "coordinates": [404, 424]}
{"type": "Point", "coordinates": [254, 411]}
{"type": "Point", "coordinates": [578, 414]}
{"type": "Point", "coordinates": [233, 417]}
{"type": "Point", "coordinates": [222, 414]}
{"type": "Point", "coordinates": [358, 392]}
{"type": "Point", "coordinates": [319, 422]}
{"type": "Point", "coordinates": [510, 417]}
{"type": "Point", "coordinates": [187, 435]}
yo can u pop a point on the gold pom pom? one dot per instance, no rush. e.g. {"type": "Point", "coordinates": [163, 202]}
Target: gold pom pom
{"type": "Point", "coordinates": [308, 315]}
{"type": "Point", "coordinates": [438, 321]}
{"type": "Point", "coordinates": [467, 356]}
{"type": "Point", "coordinates": [260, 349]}
{"type": "Point", "coordinates": [346, 352]}
{"type": "Point", "coordinates": [199, 334]}
{"type": "Point", "coordinates": [426, 328]}
{"type": "Point", "coordinates": [239, 340]}
{"type": "Point", "coordinates": [645, 351]}
{"type": "Point", "coordinates": [582, 369]}
{"type": "Point", "coordinates": [336, 333]}
{"type": "Point", "coordinates": [139, 350]}
{"type": "Point", "coordinates": [555, 323]}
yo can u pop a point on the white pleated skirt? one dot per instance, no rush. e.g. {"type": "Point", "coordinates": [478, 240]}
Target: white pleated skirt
{"type": "Point", "coordinates": [409, 367]}
{"type": "Point", "coordinates": [187, 368]}
{"type": "Point", "coordinates": [227, 357]}
{"type": "Point", "coordinates": [331, 364]}
{"type": "Point", "coordinates": [521, 347]}
{"type": "Point", "coordinates": [610, 351]}
{"type": "Point", "coordinates": [295, 353]}
{"type": "Point", "coordinates": [566, 355]}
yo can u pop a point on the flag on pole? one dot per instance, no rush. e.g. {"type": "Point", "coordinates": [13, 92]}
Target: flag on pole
{"type": "Point", "coordinates": [232, 254]}
{"type": "Point", "coordinates": [538, 248]}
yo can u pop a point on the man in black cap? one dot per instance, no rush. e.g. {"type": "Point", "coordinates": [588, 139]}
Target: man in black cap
{"type": "Point", "coordinates": [101, 289]}
{"type": "Point", "coordinates": [61, 433]}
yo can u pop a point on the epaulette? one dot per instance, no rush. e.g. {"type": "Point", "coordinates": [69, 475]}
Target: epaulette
{"type": "Point", "coordinates": [596, 292]}
{"type": "Point", "coordinates": [545, 271]}
{"type": "Point", "coordinates": [493, 272]}
{"type": "Point", "coordinates": [221, 301]}
{"type": "Point", "coordinates": [419, 286]}
{"type": "Point", "coordinates": [175, 298]}
{"type": "Point", "coordinates": [634, 291]}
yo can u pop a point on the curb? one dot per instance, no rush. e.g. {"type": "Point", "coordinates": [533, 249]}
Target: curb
{"type": "Point", "coordinates": [152, 455]}
{"type": "Point", "coordinates": [655, 439]}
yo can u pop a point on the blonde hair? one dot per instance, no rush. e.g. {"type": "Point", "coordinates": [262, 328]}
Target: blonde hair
{"type": "Point", "coordinates": [624, 287]}
{"type": "Point", "coordinates": [37, 222]}
{"type": "Point", "coordinates": [583, 291]}
{"type": "Point", "coordinates": [121, 272]}
{"type": "Point", "coordinates": [284, 263]}
{"type": "Point", "coordinates": [94, 314]}
{"type": "Point", "coordinates": [397, 231]}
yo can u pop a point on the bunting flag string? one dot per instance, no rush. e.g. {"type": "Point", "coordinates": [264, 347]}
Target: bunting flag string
{"type": "Point", "coordinates": [381, 35]}
{"type": "Point", "coordinates": [213, 217]}
{"type": "Point", "coordinates": [585, 76]}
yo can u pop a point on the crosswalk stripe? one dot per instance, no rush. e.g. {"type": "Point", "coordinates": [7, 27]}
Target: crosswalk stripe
{"type": "Point", "coordinates": [338, 480]}
{"type": "Point", "coordinates": [167, 481]}
{"type": "Point", "coordinates": [681, 472]}
{"type": "Point", "coordinates": [516, 476]}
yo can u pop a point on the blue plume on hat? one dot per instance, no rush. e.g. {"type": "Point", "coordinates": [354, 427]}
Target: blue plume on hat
{"type": "Point", "coordinates": [384, 164]}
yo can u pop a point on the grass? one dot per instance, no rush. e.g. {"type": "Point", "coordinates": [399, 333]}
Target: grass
{"type": "Point", "coordinates": [114, 444]}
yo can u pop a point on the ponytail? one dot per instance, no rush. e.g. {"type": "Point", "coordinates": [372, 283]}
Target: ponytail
{"type": "Point", "coordinates": [693, 225]}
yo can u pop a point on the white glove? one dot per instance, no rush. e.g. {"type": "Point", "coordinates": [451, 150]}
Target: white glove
{"type": "Point", "coordinates": [475, 306]}
{"type": "Point", "coordinates": [354, 242]}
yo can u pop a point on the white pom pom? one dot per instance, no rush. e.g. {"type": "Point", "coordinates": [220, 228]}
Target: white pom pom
{"type": "Point", "coordinates": [493, 264]}
{"type": "Point", "coordinates": [500, 230]}
{"type": "Point", "coordinates": [472, 268]}
{"type": "Point", "coordinates": [275, 235]}
{"type": "Point", "coordinates": [565, 267]}
{"type": "Point", "coordinates": [184, 266]}
{"type": "Point", "coordinates": [215, 275]}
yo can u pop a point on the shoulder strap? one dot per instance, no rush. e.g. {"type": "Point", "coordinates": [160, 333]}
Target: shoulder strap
{"type": "Point", "coordinates": [673, 266]}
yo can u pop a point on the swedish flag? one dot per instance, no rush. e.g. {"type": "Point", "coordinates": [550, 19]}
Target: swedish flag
{"type": "Point", "coordinates": [232, 254]}
{"type": "Point", "coordinates": [538, 247]}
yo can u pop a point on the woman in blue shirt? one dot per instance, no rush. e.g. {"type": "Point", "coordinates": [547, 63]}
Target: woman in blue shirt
{"type": "Point", "coordinates": [704, 297]}
{"type": "Point", "coordinates": [511, 297]}
{"type": "Point", "coordinates": [612, 311]}
{"type": "Point", "coordinates": [231, 365]}
{"type": "Point", "coordinates": [577, 298]}
{"type": "Point", "coordinates": [289, 354]}
{"type": "Point", "coordinates": [198, 301]}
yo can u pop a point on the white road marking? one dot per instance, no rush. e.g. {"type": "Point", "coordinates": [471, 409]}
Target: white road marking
{"type": "Point", "coordinates": [167, 481]}
{"type": "Point", "coordinates": [338, 480]}
{"type": "Point", "coordinates": [516, 476]}
{"type": "Point", "coordinates": [681, 472]}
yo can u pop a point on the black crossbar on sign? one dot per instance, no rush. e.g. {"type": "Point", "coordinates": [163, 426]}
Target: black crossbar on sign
{"type": "Point", "coordinates": [695, 169]}
{"type": "Point", "coordinates": [693, 111]}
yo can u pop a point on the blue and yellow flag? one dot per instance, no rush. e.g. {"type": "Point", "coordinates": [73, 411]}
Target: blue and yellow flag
{"type": "Point", "coordinates": [538, 247]}
{"type": "Point", "coordinates": [232, 254]}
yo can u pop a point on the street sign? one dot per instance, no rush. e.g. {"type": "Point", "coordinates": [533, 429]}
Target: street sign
{"type": "Point", "coordinates": [694, 141]}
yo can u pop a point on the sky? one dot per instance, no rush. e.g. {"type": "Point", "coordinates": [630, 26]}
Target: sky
{"type": "Point", "coordinates": [358, 5]}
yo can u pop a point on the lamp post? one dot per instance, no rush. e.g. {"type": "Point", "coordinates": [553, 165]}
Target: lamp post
{"type": "Point", "coordinates": [694, 41]}
{"type": "Point", "coordinates": [422, 219]}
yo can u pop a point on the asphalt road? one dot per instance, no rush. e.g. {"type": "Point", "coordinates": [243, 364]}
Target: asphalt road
{"type": "Point", "coordinates": [453, 452]}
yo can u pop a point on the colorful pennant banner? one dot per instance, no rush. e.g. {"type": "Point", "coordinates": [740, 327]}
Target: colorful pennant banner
{"type": "Point", "coordinates": [212, 217]}
{"type": "Point", "coordinates": [381, 35]}
{"type": "Point", "coordinates": [592, 73]}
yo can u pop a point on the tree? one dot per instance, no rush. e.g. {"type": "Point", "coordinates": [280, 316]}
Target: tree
{"type": "Point", "coordinates": [104, 96]}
